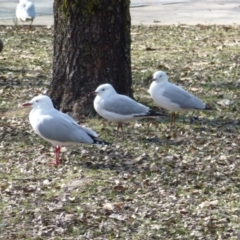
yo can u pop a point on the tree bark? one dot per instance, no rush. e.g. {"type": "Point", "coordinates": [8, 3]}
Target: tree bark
{"type": "Point", "coordinates": [91, 47]}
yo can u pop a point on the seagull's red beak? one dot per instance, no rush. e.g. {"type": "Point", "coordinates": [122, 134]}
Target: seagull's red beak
{"type": "Point", "coordinates": [153, 79]}
{"type": "Point", "coordinates": [27, 104]}
{"type": "Point", "coordinates": [94, 93]}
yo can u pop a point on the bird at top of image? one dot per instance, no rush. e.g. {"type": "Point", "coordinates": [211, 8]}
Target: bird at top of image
{"type": "Point", "coordinates": [56, 127]}
{"type": "Point", "coordinates": [1, 45]}
{"type": "Point", "coordinates": [25, 11]}
{"type": "Point", "coordinates": [120, 108]}
{"type": "Point", "coordinates": [172, 97]}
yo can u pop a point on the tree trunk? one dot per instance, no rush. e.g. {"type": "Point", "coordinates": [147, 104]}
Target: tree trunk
{"type": "Point", "coordinates": [91, 47]}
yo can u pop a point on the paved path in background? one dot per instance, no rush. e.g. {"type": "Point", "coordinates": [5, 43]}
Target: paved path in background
{"type": "Point", "coordinates": [148, 12]}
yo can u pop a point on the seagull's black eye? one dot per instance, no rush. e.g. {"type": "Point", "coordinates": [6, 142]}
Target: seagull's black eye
{"type": "Point", "coordinates": [37, 100]}
{"type": "Point", "coordinates": [103, 89]}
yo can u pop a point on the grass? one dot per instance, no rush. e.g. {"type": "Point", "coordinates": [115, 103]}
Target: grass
{"type": "Point", "coordinates": [151, 185]}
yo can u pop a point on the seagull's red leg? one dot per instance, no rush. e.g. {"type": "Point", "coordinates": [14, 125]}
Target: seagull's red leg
{"type": "Point", "coordinates": [119, 126]}
{"type": "Point", "coordinates": [57, 153]}
{"type": "Point", "coordinates": [174, 118]}
{"type": "Point", "coordinates": [173, 124]}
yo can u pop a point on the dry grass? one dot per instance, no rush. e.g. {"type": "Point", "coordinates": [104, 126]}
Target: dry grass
{"type": "Point", "coordinates": [149, 186]}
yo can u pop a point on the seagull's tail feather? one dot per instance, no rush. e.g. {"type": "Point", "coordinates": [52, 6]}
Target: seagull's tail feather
{"type": "Point", "coordinates": [150, 114]}
{"type": "Point", "coordinates": [100, 142]}
{"type": "Point", "coordinates": [95, 139]}
{"type": "Point", "coordinates": [209, 108]}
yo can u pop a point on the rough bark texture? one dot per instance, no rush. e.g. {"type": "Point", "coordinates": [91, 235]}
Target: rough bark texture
{"type": "Point", "coordinates": [91, 47]}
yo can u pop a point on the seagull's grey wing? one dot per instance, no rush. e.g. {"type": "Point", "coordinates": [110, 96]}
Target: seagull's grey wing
{"type": "Point", "coordinates": [124, 105]}
{"type": "Point", "coordinates": [30, 8]}
{"type": "Point", "coordinates": [59, 129]}
{"type": "Point", "coordinates": [86, 129]}
{"type": "Point", "coordinates": [65, 115]}
{"type": "Point", "coordinates": [183, 98]}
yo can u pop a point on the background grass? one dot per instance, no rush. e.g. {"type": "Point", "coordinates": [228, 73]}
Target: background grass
{"type": "Point", "coordinates": [151, 185]}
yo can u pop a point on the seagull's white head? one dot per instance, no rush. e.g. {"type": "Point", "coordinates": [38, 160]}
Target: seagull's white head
{"type": "Point", "coordinates": [105, 90]}
{"type": "Point", "coordinates": [40, 102]}
{"type": "Point", "coordinates": [160, 76]}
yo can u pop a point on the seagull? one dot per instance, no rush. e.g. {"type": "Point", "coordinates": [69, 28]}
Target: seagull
{"type": "Point", "coordinates": [172, 97]}
{"type": "Point", "coordinates": [25, 11]}
{"type": "Point", "coordinates": [119, 108]}
{"type": "Point", "coordinates": [56, 127]}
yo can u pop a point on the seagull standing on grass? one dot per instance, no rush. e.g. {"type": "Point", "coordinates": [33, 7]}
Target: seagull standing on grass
{"type": "Point", "coordinates": [25, 11]}
{"type": "Point", "coordinates": [120, 108]}
{"type": "Point", "coordinates": [56, 127]}
{"type": "Point", "coordinates": [172, 97]}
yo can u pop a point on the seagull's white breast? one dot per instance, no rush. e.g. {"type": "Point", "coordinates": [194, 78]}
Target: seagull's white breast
{"type": "Point", "coordinates": [156, 91]}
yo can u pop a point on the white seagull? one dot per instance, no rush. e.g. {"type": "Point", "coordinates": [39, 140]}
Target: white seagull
{"type": "Point", "coordinates": [120, 108]}
{"type": "Point", "coordinates": [25, 11]}
{"type": "Point", "coordinates": [56, 127]}
{"type": "Point", "coordinates": [172, 97]}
